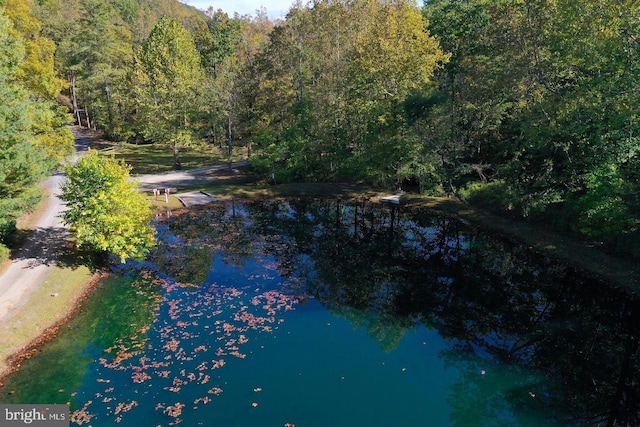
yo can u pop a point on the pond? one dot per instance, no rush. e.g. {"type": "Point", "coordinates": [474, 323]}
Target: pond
{"type": "Point", "coordinates": [315, 313]}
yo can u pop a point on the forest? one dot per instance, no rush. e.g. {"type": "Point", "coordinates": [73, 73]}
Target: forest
{"type": "Point", "coordinates": [526, 108]}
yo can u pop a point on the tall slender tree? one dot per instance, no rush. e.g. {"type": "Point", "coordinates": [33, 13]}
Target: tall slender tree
{"type": "Point", "coordinates": [218, 45]}
{"type": "Point", "coordinates": [166, 77]}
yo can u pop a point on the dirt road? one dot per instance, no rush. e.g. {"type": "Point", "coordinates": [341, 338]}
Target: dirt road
{"type": "Point", "coordinates": [35, 260]}
{"type": "Point", "coordinates": [183, 178]}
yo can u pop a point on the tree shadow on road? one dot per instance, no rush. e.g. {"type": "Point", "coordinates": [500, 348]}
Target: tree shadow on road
{"type": "Point", "coordinates": [51, 247]}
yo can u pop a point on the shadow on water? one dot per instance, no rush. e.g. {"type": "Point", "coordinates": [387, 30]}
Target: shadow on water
{"type": "Point", "coordinates": [385, 269]}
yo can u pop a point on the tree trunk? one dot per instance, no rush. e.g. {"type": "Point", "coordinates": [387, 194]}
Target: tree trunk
{"type": "Point", "coordinates": [176, 157]}
{"type": "Point", "coordinates": [107, 91]}
{"type": "Point", "coordinates": [229, 140]}
{"type": "Point", "coordinates": [74, 99]}
{"type": "Point", "coordinates": [86, 111]}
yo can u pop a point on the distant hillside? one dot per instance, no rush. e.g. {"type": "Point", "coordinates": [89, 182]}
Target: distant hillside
{"type": "Point", "coordinates": [138, 17]}
{"type": "Point", "coordinates": [95, 42]}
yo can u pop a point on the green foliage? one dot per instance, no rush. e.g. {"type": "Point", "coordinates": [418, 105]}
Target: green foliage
{"type": "Point", "coordinates": [4, 253]}
{"type": "Point", "coordinates": [36, 69]}
{"type": "Point", "coordinates": [165, 79]}
{"type": "Point", "coordinates": [95, 42]}
{"type": "Point", "coordinates": [22, 164]}
{"type": "Point", "coordinates": [11, 49]}
{"type": "Point", "coordinates": [602, 211]}
{"type": "Point", "coordinates": [422, 167]}
{"type": "Point", "coordinates": [418, 106]}
{"type": "Point", "coordinates": [105, 210]}
{"type": "Point", "coordinates": [128, 9]}
{"type": "Point", "coordinates": [218, 41]}
{"type": "Point", "coordinates": [538, 102]}
{"type": "Point", "coordinates": [495, 196]}
{"type": "Point", "coordinates": [35, 73]}
{"type": "Point", "coordinates": [50, 129]}
{"type": "Point", "coordinates": [352, 80]}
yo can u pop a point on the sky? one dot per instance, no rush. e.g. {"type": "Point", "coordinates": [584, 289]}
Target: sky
{"type": "Point", "coordinates": [275, 8]}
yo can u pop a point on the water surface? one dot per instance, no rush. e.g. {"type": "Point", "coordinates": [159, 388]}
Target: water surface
{"type": "Point", "coordinates": [326, 313]}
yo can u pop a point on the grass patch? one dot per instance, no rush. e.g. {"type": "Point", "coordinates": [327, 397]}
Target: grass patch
{"type": "Point", "coordinates": [27, 221]}
{"type": "Point", "coordinates": [43, 310]}
{"type": "Point", "coordinates": [157, 158]}
{"type": "Point", "coordinates": [161, 206]}
{"type": "Point", "coordinates": [224, 190]}
{"type": "Point", "coordinates": [4, 256]}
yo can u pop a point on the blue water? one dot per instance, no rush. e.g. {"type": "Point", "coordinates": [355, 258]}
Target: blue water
{"type": "Point", "coordinates": [303, 365]}
{"type": "Point", "coordinates": [268, 338]}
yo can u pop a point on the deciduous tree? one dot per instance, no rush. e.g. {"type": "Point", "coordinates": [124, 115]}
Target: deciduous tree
{"type": "Point", "coordinates": [37, 75]}
{"type": "Point", "coordinates": [105, 210]}
{"type": "Point", "coordinates": [332, 80]}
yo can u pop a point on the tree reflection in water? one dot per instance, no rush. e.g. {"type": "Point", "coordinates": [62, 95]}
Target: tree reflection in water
{"type": "Point", "coordinates": [385, 269]}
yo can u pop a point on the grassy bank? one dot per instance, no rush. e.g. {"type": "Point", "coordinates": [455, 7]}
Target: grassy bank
{"type": "Point", "coordinates": [24, 223]}
{"type": "Point", "coordinates": [42, 311]}
{"type": "Point", "coordinates": [348, 191]}
{"type": "Point", "coordinates": [49, 305]}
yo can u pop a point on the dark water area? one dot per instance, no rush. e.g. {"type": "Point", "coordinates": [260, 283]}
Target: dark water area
{"type": "Point", "coordinates": [327, 313]}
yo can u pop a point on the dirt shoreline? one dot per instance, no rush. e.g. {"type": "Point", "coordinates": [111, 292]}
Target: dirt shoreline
{"type": "Point", "coordinates": [14, 361]}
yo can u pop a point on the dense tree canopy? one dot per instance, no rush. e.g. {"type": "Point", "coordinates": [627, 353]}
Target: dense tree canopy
{"type": "Point", "coordinates": [537, 110]}
{"type": "Point", "coordinates": [20, 161]}
{"type": "Point", "coordinates": [332, 80]}
{"type": "Point", "coordinates": [525, 107]}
